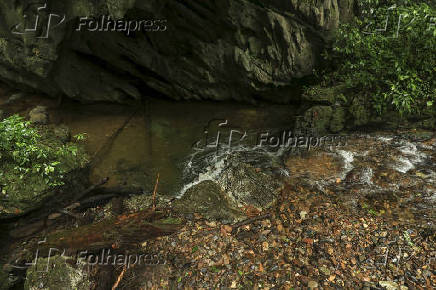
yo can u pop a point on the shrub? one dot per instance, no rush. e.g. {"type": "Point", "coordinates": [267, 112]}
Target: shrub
{"type": "Point", "coordinates": [395, 67]}
{"type": "Point", "coordinates": [24, 154]}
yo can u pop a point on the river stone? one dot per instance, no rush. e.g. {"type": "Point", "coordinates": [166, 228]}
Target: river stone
{"type": "Point", "coordinates": [312, 284]}
{"type": "Point", "coordinates": [55, 273]}
{"type": "Point", "coordinates": [207, 199]}
{"type": "Point", "coordinates": [225, 49]}
{"type": "Point", "coordinates": [246, 185]}
{"type": "Point", "coordinates": [389, 285]}
{"type": "Point", "coordinates": [39, 115]}
{"type": "Point", "coordinates": [63, 133]}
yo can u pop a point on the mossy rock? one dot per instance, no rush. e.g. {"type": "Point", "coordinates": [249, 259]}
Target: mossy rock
{"type": "Point", "coordinates": [207, 199]}
{"type": "Point", "coordinates": [359, 111]}
{"type": "Point", "coordinates": [246, 185]}
{"type": "Point", "coordinates": [55, 273]}
{"type": "Point", "coordinates": [325, 95]}
{"type": "Point", "coordinates": [318, 118]}
{"type": "Point", "coordinates": [337, 122]}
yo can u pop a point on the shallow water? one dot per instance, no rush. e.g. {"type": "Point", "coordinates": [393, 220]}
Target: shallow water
{"type": "Point", "coordinates": [162, 137]}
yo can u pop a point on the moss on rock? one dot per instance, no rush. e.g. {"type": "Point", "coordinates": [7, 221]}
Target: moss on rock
{"type": "Point", "coordinates": [318, 118]}
{"type": "Point", "coordinates": [337, 122]}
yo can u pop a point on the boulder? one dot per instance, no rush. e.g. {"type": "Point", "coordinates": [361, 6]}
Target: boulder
{"type": "Point", "coordinates": [246, 185]}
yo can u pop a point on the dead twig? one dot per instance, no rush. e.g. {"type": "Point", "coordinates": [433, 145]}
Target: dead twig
{"type": "Point", "coordinates": [154, 192]}
{"type": "Point", "coordinates": [249, 221]}
{"type": "Point", "coordinates": [120, 277]}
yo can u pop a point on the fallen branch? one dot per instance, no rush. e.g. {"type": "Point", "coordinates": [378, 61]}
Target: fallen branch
{"type": "Point", "coordinates": [154, 192]}
{"type": "Point", "coordinates": [249, 221]}
{"type": "Point", "coordinates": [123, 231]}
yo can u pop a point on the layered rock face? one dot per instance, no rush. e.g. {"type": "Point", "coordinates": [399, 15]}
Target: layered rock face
{"type": "Point", "coordinates": [226, 49]}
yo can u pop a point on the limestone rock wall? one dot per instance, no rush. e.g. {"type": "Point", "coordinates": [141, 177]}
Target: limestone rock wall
{"type": "Point", "coordinates": [217, 49]}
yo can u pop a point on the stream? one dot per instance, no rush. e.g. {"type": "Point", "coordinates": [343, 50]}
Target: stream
{"type": "Point", "coordinates": [381, 173]}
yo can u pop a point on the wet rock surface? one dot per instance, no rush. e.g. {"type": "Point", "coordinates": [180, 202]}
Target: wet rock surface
{"type": "Point", "coordinates": [246, 185]}
{"type": "Point", "coordinates": [209, 200]}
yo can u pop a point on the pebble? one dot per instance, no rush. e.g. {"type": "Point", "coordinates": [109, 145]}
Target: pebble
{"type": "Point", "coordinates": [325, 270]}
{"type": "Point", "coordinates": [389, 285]}
{"type": "Point", "coordinates": [312, 284]}
{"type": "Point", "coordinates": [303, 214]}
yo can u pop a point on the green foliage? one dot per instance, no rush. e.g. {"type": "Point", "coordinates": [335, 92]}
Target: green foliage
{"type": "Point", "coordinates": [389, 54]}
{"type": "Point", "coordinates": [80, 137]}
{"type": "Point", "coordinates": [24, 153]}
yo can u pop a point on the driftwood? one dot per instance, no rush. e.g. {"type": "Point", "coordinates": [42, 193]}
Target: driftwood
{"type": "Point", "coordinates": [123, 230]}
{"type": "Point", "coordinates": [120, 232]}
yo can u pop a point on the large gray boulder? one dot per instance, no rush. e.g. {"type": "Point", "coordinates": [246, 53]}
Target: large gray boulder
{"type": "Point", "coordinates": [229, 49]}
